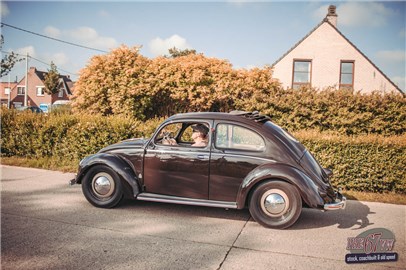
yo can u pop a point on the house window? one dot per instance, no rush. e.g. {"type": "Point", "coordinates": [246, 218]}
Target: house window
{"type": "Point", "coordinates": [20, 90]}
{"type": "Point", "coordinates": [40, 91]}
{"type": "Point", "coordinates": [60, 92]}
{"type": "Point", "coordinates": [301, 73]}
{"type": "Point", "coordinates": [7, 91]}
{"type": "Point", "coordinates": [347, 74]}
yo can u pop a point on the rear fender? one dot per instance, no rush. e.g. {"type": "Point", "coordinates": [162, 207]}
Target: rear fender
{"type": "Point", "coordinates": [306, 187]}
{"type": "Point", "coordinates": [118, 164]}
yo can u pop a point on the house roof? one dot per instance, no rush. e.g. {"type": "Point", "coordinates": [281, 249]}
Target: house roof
{"type": "Point", "coordinates": [325, 20]}
{"type": "Point", "coordinates": [67, 82]}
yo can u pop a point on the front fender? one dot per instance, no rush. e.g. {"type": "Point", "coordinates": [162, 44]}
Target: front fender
{"type": "Point", "coordinates": [307, 189]}
{"type": "Point", "coordinates": [118, 164]}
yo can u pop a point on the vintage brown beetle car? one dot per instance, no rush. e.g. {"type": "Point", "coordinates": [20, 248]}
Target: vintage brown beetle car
{"type": "Point", "coordinates": [245, 161]}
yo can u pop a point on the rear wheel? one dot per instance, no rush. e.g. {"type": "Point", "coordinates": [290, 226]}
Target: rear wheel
{"type": "Point", "coordinates": [275, 204]}
{"type": "Point", "coordinates": [102, 187]}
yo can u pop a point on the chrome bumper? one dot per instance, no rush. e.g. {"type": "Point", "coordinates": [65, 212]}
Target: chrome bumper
{"type": "Point", "coordinates": [340, 203]}
{"type": "Point", "coordinates": [73, 181]}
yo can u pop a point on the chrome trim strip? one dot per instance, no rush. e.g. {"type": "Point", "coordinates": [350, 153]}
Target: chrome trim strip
{"type": "Point", "coordinates": [245, 156]}
{"type": "Point", "coordinates": [181, 200]}
{"type": "Point", "coordinates": [192, 151]}
{"type": "Point", "coordinates": [202, 151]}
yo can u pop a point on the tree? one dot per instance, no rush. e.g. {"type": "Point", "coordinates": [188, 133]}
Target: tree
{"type": "Point", "coordinates": [51, 81]}
{"type": "Point", "coordinates": [113, 83]}
{"type": "Point", "coordinates": [7, 61]}
{"type": "Point", "coordinates": [175, 52]}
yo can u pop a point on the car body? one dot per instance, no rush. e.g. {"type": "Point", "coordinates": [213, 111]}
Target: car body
{"type": "Point", "coordinates": [248, 162]}
{"type": "Point", "coordinates": [33, 109]}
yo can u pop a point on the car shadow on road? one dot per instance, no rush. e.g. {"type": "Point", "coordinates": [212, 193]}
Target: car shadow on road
{"type": "Point", "coordinates": [354, 217]}
{"type": "Point", "coordinates": [182, 210]}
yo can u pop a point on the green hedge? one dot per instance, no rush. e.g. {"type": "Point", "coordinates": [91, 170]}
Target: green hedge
{"type": "Point", "coordinates": [343, 111]}
{"type": "Point", "coordinates": [361, 163]}
{"type": "Point", "coordinates": [371, 163]}
{"type": "Point", "coordinates": [27, 134]}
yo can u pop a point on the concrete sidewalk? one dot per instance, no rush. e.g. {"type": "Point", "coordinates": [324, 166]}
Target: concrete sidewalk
{"type": "Point", "coordinates": [48, 225]}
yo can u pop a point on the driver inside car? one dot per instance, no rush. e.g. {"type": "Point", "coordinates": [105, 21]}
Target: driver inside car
{"type": "Point", "coordinates": [199, 135]}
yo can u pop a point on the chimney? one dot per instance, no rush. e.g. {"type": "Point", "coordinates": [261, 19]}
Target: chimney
{"type": "Point", "coordinates": [332, 15]}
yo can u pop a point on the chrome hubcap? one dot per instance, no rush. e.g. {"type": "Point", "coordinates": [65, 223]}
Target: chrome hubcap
{"type": "Point", "coordinates": [103, 185]}
{"type": "Point", "coordinates": [275, 203]}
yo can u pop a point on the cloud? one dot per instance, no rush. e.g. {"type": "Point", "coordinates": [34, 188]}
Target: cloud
{"type": "Point", "coordinates": [89, 37]}
{"type": "Point", "coordinates": [28, 49]}
{"type": "Point", "coordinates": [159, 46]}
{"type": "Point", "coordinates": [391, 56]}
{"type": "Point", "coordinates": [59, 59]}
{"type": "Point", "coordinates": [4, 11]}
{"type": "Point", "coordinates": [320, 13]}
{"type": "Point", "coordinates": [20, 67]}
{"type": "Point", "coordinates": [85, 36]}
{"type": "Point", "coordinates": [363, 14]}
{"type": "Point", "coordinates": [358, 14]}
{"type": "Point", "coordinates": [52, 31]}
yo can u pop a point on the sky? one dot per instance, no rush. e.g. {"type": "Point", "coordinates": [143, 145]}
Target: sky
{"type": "Point", "coordinates": [246, 33]}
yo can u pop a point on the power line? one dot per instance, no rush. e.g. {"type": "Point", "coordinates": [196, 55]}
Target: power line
{"type": "Point", "coordinates": [14, 54]}
{"type": "Point", "coordinates": [50, 65]}
{"type": "Point", "coordinates": [59, 40]}
{"type": "Point", "coordinates": [29, 56]}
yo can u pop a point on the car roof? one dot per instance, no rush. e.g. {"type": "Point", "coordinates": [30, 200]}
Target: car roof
{"type": "Point", "coordinates": [237, 116]}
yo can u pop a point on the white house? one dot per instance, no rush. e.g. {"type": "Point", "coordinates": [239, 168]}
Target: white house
{"type": "Point", "coordinates": [326, 58]}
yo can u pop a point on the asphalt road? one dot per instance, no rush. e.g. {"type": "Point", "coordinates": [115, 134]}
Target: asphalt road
{"type": "Point", "coordinates": [45, 224]}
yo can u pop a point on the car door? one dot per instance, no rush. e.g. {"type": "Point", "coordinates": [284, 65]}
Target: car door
{"type": "Point", "coordinates": [237, 150]}
{"type": "Point", "coordinates": [177, 169]}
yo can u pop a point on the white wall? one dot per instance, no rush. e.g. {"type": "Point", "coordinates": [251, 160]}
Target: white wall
{"type": "Point", "coordinates": [326, 48]}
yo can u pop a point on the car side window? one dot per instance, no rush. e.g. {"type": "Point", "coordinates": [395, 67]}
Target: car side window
{"type": "Point", "coordinates": [168, 134]}
{"type": "Point", "coordinates": [187, 134]}
{"type": "Point", "coordinates": [230, 136]}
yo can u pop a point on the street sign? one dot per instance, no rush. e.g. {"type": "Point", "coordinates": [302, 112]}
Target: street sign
{"type": "Point", "coordinates": [44, 107]}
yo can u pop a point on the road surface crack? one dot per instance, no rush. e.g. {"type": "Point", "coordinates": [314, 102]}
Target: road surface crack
{"type": "Point", "coordinates": [233, 245]}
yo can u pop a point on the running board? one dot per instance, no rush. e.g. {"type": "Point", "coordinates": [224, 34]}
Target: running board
{"type": "Point", "coordinates": [181, 200]}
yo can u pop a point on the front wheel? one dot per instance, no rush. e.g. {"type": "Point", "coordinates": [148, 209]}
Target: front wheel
{"type": "Point", "coordinates": [102, 187]}
{"type": "Point", "coordinates": [275, 204]}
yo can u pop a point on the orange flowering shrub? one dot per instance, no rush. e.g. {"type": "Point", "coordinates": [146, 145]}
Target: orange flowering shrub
{"type": "Point", "coordinates": [125, 83]}
{"type": "Point", "coordinates": [110, 84]}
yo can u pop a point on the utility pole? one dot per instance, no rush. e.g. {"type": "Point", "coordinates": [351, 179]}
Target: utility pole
{"type": "Point", "coordinates": [9, 92]}
{"type": "Point", "coordinates": [26, 82]}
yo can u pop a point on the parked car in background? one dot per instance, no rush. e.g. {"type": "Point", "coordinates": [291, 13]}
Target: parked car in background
{"type": "Point", "coordinates": [29, 108]}
{"type": "Point", "coordinates": [61, 106]}
{"type": "Point", "coordinates": [245, 160]}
